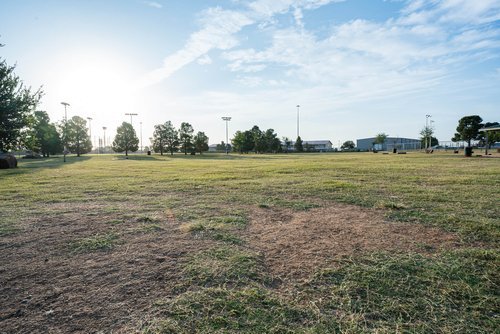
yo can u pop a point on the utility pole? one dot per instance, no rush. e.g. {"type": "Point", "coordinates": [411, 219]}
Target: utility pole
{"type": "Point", "coordinates": [427, 144]}
{"type": "Point", "coordinates": [104, 140]}
{"type": "Point", "coordinates": [141, 135]}
{"type": "Point", "coordinates": [227, 119]}
{"type": "Point", "coordinates": [65, 104]}
{"type": "Point", "coordinates": [90, 130]}
{"type": "Point", "coordinates": [298, 107]}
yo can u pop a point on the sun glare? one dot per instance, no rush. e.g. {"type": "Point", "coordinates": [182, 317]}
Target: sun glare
{"type": "Point", "coordinates": [97, 83]}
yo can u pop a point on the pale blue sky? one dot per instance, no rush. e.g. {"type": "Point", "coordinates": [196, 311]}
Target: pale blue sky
{"type": "Point", "coordinates": [356, 67]}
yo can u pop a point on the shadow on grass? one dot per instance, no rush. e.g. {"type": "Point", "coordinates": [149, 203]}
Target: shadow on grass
{"type": "Point", "coordinates": [222, 156]}
{"type": "Point", "coordinates": [30, 165]}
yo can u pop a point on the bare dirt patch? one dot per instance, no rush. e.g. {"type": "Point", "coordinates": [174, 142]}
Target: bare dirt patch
{"type": "Point", "coordinates": [47, 288]}
{"type": "Point", "coordinates": [296, 244]}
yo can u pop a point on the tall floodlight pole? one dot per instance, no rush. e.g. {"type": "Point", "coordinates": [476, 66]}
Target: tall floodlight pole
{"type": "Point", "coordinates": [90, 129]}
{"type": "Point", "coordinates": [227, 119]}
{"type": "Point", "coordinates": [104, 140]}
{"type": "Point", "coordinates": [141, 134]}
{"type": "Point", "coordinates": [131, 115]}
{"type": "Point", "coordinates": [298, 107]}
{"type": "Point", "coordinates": [65, 104]}
{"type": "Point", "coordinates": [427, 130]}
{"type": "Point", "coordinates": [430, 133]}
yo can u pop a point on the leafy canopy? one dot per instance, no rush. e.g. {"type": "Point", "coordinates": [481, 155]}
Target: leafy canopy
{"type": "Point", "coordinates": [468, 129]}
{"type": "Point", "coordinates": [165, 138]}
{"type": "Point", "coordinates": [125, 140]}
{"type": "Point", "coordinates": [77, 138]}
{"type": "Point", "coordinates": [16, 106]}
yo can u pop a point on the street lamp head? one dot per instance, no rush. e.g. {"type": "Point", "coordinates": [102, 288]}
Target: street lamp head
{"type": "Point", "coordinates": [89, 118]}
{"type": "Point", "coordinates": [298, 105]}
{"type": "Point", "coordinates": [226, 118]}
{"type": "Point", "coordinates": [66, 104]}
{"type": "Point", "coordinates": [104, 128]}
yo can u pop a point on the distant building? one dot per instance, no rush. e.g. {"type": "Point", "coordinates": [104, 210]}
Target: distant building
{"type": "Point", "coordinates": [314, 145]}
{"type": "Point", "coordinates": [212, 148]}
{"type": "Point", "coordinates": [390, 143]}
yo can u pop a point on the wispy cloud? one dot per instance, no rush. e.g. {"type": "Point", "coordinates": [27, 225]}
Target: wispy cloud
{"type": "Point", "coordinates": [204, 60]}
{"type": "Point", "coordinates": [219, 27]}
{"type": "Point", "coordinates": [360, 59]}
{"type": "Point", "coordinates": [153, 4]}
{"type": "Point", "coordinates": [364, 59]}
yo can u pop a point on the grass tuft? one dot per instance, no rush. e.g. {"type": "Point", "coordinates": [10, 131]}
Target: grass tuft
{"type": "Point", "coordinates": [99, 242]}
{"type": "Point", "coordinates": [222, 266]}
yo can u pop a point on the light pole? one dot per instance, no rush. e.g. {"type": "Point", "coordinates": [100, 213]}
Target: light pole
{"type": "Point", "coordinates": [427, 130]}
{"type": "Point", "coordinates": [226, 119]}
{"type": "Point", "coordinates": [298, 107]}
{"type": "Point", "coordinates": [90, 129]}
{"type": "Point", "coordinates": [141, 135]}
{"type": "Point", "coordinates": [131, 115]}
{"type": "Point", "coordinates": [431, 132]}
{"type": "Point", "coordinates": [65, 104]}
{"type": "Point", "coordinates": [104, 140]}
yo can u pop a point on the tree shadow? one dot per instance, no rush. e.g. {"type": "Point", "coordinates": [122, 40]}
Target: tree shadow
{"type": "Point", "coordinates": [30, 165]}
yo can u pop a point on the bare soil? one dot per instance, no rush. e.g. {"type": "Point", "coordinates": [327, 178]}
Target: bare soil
{"type": "Point", "coordinates": [296, 244]}
{"type": "Point", "coordinates": [47, 288]}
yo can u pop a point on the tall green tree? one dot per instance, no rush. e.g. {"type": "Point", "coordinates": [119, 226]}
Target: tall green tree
{"type": "Point", "coordinates": [222, 147]}
{"type": "Point", "coordinates": [125, 140]}
{"type": "Point", "coordinates": [426, 136]}
{"type": "Point", "coordinates": [77, 138]}
{"type": "Point", "coordinates": [273, 144]}
{"type": "Point", "coordinates": [298, 145]}
{"type": "Point", "coordinates": [17, 103]}
{"type": "Point", "coordinates": [425, 141]}
{"type": "Point", "coordinates": [259, 140]}
{"type": "Point", "coordinates": [200, 142]}
{"type": "Point", "coordinates": [287, 142]}
{"type": "Point", "coordinates": [243, 142]}
{"type": "Point", "coordinates": [165, 138]}
{"type": "Point", "coordinates": [348, 145]}
{"type": "Point", "coordinates": [468, 129]}
{"type": "Point", "coordinates": [380, 138]}
{"type": "Point", "coordinates": [47, 137]}
{"type": "Point", "coordinates": [186, 137]}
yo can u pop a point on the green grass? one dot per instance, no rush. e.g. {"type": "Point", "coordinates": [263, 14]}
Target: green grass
{"type": "Point", "coordinates": [98, 242]}
{"type": "Point", "coordinates": [226, 288]}
{"type": "Point", "coordinates": [219, 310]}
{"type": "Point", "coordinates": [453, 293]}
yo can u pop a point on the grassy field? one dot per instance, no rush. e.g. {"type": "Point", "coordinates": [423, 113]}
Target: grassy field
{"type": "Point", "coordinates": [312, 243]}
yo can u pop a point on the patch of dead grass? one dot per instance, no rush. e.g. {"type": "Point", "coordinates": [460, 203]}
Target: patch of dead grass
{"type": "Point", "coordinates": [296, 244]}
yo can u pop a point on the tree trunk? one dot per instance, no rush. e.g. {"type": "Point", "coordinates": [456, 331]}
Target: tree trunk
{"type": "Point", "coordinates": [126, 153]}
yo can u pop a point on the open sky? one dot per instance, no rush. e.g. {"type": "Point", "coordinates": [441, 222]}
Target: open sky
{"type": "Point", "coordinates": [356, 67]}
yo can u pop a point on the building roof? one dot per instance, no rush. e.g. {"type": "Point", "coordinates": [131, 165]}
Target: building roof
{"type": "Point", "coordinates": [316, 142]}
{"type": "Point", "coordinates": [490, 128]}
{"type": "Point", "coordinates": [390, 138]}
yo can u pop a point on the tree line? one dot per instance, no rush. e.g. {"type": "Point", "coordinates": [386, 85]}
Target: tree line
{"type": "Point", "coordinates": [166, 138]}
